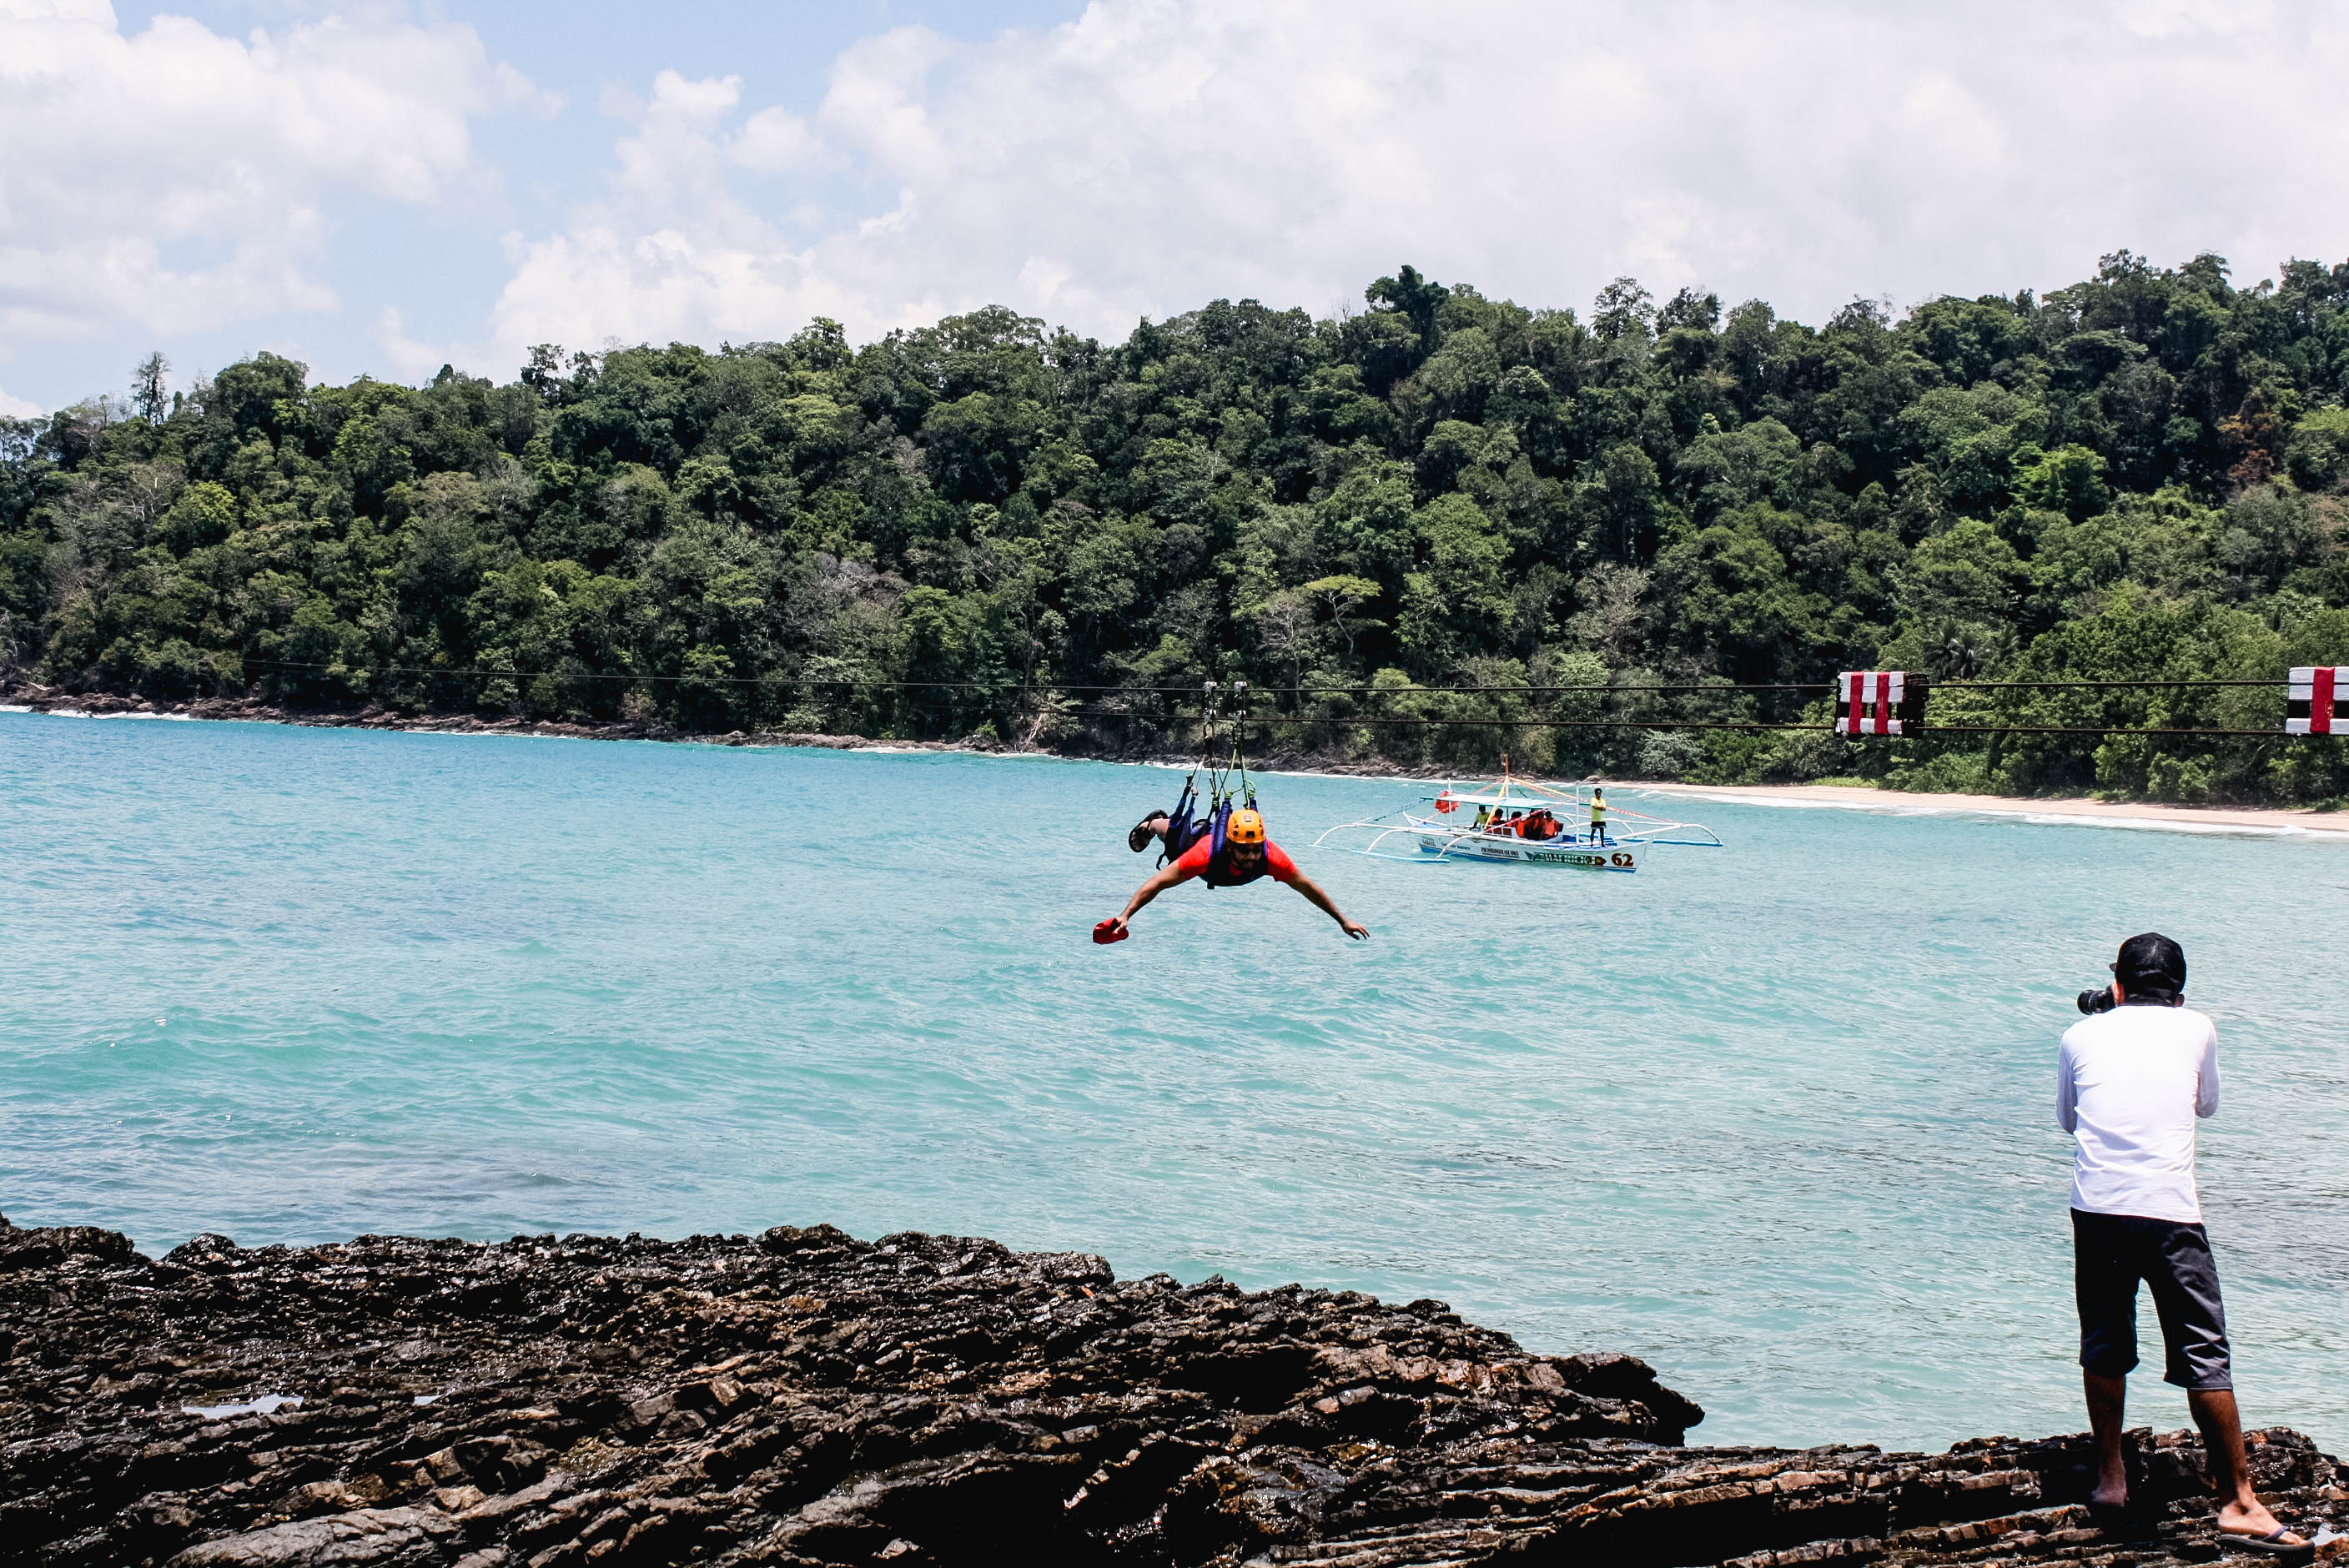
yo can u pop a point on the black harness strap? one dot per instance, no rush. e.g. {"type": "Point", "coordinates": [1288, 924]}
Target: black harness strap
{"type": "Point", "coordinates": [1229, 789]}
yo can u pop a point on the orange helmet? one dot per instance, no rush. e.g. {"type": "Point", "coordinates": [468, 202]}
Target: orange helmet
{"type": "Point", "coordinates": [1246, 827]}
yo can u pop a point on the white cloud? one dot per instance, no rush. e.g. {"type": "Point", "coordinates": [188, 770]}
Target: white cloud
{"type": "Point", "coordinates": [13, 407]}
{"type": "Point", "coordinates": [410, 359]}
{"type": "Point", "coordinates": [2166, 18]}
{"type": "Point", "coordinates": [671, 161]}
{"type": "Point", "coordinates": [173, 178]}
{"type": "Point", "coordinates": [1150, 155]}
{"type": "Point", "coordinates": [775, 139]}
{"type": "Point", "coordinates": [1154, 154]}
{"type": "Point", "coordinates": [671, 252]}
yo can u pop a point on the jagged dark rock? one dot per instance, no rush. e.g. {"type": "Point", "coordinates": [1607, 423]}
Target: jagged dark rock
{"type": "Point", "coordinates": [806, 1397]}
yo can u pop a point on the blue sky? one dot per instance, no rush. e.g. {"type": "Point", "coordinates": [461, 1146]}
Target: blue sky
{"type": "Point", "coordinates": [382, 187]}
{"type": "Point", "coordinates": [443, 263]}
{"type": "Point", "coordinates": [442, 260]}
{"type": "Point", "coordinates": [440, 263]}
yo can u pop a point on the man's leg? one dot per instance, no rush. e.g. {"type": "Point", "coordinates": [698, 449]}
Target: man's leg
{"type": "Point", "coordinates": [2194, 1329]}
{"type": "Point", "coordinates": [2107, 1396]}
{"type": "Point", "coordinates": [2104, 1285]}
{"type": "Point", "coordinates": [2239, 1508]}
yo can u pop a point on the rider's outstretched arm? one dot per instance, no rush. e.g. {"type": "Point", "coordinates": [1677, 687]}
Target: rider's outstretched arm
{"type": "Point", "coordinates": [1165, 878]}
{"type": "Point", "coordinates": [1322, 900]}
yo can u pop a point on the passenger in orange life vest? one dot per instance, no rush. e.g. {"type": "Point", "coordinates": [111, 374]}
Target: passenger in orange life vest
{"type": "Point", "coordinates": [1248, 854]}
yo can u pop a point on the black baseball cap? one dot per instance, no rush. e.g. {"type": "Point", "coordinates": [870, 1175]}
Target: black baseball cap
{"type": "Point", "coordinates": [2151, 962]}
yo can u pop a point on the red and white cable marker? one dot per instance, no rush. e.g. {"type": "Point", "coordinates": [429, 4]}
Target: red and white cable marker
{"type": "Point", "coordinates": [2309, 699]}
{"type": "Point", "coordinates": [1869, 702]}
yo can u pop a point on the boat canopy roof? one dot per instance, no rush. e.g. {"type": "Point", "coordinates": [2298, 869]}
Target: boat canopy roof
{"type": "Point", "coordinates": [1519, 794]}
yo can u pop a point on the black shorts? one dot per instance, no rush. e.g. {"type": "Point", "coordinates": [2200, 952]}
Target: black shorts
{"type": "Point", "coordinates": [2110, 1252]}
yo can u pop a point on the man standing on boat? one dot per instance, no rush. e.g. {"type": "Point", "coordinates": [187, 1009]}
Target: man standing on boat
{"type": "Point", "coordinates": [2131, 1079]}
{"type": "Point", "coordinates": [1597, 816]}
{"type": "Point", "coordinates": [1247, 856]}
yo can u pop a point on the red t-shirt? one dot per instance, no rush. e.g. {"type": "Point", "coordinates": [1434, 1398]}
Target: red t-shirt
{"type": "Point", "coordinates": [1276, 863]}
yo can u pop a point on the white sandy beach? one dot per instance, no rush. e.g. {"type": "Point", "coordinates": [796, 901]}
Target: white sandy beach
{"type": "Point", "coordinates": [2080, 808]}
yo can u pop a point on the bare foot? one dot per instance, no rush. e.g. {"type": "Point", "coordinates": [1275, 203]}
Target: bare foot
{"type": "Point", "coordinates": [2253, 1519]}
{"type": "Point", "coordinates": [2113, 1495]}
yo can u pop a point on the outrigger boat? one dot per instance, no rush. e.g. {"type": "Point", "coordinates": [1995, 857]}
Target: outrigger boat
{"type": "Point", "coordinates": [1512, 820]}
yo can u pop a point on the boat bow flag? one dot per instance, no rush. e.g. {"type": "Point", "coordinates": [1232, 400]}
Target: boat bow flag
{"type": "Point", "coordinates": [2311, 699]}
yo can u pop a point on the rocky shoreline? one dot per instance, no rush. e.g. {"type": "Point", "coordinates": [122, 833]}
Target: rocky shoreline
{"type": "Point", "coordinates": [35, 698]}
{"type": "Point", "coordinates": [805, 1397]}
{"type": "Point", "coordinates": [382, 716]}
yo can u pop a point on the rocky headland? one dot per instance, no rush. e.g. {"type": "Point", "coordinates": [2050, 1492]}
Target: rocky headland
{"type": "Point", "coordinates": [804, 1398]}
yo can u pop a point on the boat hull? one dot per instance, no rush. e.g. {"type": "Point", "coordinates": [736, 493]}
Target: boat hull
{"type": "Point", "coordinates": [1506, 851]}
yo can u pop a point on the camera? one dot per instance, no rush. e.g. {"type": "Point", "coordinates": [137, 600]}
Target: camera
{"type": "Point", "coordinates": [2094, 1002]}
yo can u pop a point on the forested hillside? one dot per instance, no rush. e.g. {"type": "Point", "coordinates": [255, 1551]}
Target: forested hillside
{"type": "Point", "coordinates": [2136, 476]}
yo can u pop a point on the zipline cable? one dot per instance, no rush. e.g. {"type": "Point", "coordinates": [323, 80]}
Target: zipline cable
{"type": "Point", "coordinates": [1723, 723]}
{"type": "Point", "coordinates": [1026, 695]}
{"type": "Point", "coordinates": [856, 684]}
{"type": "Point", "coordinates": [1537, 722]}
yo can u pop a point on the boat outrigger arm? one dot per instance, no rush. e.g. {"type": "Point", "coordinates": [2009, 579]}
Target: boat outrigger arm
{"type": "Point", "coordinates": [1562, 836]}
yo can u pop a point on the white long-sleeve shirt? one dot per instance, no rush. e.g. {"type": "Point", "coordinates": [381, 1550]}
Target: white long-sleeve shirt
{"type": "Point", "coordinates": [2129, 1085]}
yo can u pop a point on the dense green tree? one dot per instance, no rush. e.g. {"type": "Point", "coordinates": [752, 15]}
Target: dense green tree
{"type": "Point", "coordinates": [1441, 506]}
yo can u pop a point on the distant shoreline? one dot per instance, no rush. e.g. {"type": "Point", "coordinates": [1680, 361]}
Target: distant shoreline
{"type": "Point", "coordinates": [23, 698]}
{"type": "Point", "coordinates": [2072, 807]}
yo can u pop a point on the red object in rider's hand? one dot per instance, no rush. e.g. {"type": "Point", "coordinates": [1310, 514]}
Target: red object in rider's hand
{"type": "Point", "coordinates": [1109, 931]}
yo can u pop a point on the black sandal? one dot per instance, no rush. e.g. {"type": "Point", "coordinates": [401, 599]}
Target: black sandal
{"type": "Point", "coordinates": [2272, 1543]}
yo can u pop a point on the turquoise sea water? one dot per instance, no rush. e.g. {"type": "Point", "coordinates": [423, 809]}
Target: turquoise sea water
{"type": "Point", "coordinates": [1778, 1118]}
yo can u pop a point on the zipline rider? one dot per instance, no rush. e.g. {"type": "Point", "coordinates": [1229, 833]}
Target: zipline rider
{"type": "Point", "coordinates": [1247, 856]}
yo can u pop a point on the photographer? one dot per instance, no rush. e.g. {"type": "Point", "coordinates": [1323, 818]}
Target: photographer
{"type": "Point", "coordinates": [2131, 1079]}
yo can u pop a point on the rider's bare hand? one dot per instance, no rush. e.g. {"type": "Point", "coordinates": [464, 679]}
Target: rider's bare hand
{"type": "Point", "coordinates": [1354, 928]}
